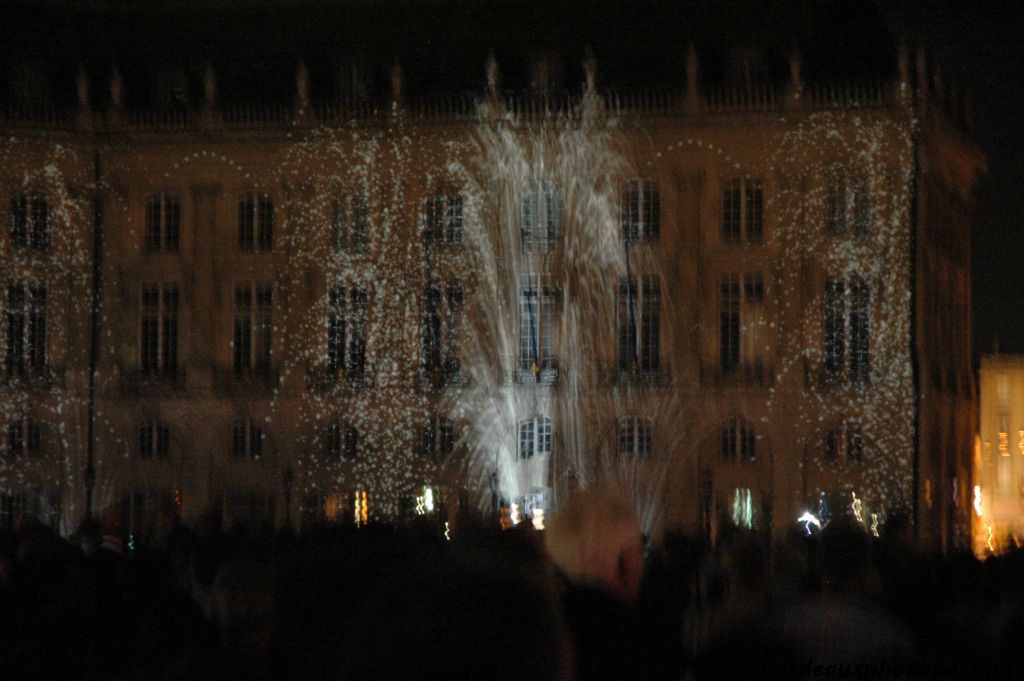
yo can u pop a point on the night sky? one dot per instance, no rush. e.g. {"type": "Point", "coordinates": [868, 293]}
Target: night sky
{"type": "Point", "coordinates": [444, 43]}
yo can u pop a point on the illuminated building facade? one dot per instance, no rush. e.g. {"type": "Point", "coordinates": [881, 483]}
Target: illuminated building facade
{"type": "Point", "coordinates": [288, 299]}
{"type": "Point", "coordinates": [998, 495]}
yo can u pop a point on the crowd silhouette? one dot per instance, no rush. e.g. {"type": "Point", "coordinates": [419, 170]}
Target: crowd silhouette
{"type": "Point", "coordinates": [584, 599]}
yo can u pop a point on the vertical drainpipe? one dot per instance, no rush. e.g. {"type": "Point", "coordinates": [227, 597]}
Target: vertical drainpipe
{"type": "Point", "coordinates": [94, 333]}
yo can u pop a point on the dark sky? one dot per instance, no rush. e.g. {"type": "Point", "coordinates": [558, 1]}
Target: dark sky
{"type": "Point", "coordinates": [640, 43]}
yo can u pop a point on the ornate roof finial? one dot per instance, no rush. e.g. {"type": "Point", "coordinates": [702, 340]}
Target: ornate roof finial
{"type": "Point", "coordinates": [116, 89]}
{"type": "Point", "coordinates": [302, 86]}
{"type": "Point", "coordinates": [692, 92]}
{"type": "Point", "coordinates": [396, 82]}
{"type": "Point", "coordinates": [590, 70]}
{"type": "Point", "coordinates": [493, 76]}
{"type": "Point", "coordinates": [209, 86]}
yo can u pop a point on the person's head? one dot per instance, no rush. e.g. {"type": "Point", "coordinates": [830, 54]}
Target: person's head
{"type": "Point", "coordinates": [596, 539]}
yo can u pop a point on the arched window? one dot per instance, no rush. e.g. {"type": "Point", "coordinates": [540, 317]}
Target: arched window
{"type": "Point", "coordinates": [738, 442]}
{"type": "Point", "coordinates": [255, 223]}
{"type": "Point", "coordinates": [534, 437]}
{"type": "Point", "coordinates": [635, 437]}
{"type": "Point", "coordinates": [163, 224]}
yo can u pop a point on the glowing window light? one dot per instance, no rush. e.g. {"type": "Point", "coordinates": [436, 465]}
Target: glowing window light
{"type": "Point", "coordinates": [809, 519]}
{"type": "Point", "coordinates": [857, 506]}
{"type": "Point", "coordinates": [361, 508]}
{"type": "Point", "coordinates": [428, 498]}
{"type": "Point", "coordinates": [1004, 444]}
{"type": "Point", "coordinates": [538, 518]}
{"type": "Point", "coordinates": [516, 517]}
{"type": "Point", "coordinates": [1020, 441]}
{"type": "Point", "coordinates": [978, 508]}
{"type": "Point", "coordinates": [742, 508]}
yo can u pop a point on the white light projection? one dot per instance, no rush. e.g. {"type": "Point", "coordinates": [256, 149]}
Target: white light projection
{"type": "Point", "coordinates": [48, 394]}
{"type": "Point", "coordinates": [581, 159]}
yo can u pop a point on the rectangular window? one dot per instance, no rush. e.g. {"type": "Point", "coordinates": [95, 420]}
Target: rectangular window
{"type": "Point", "coordinates": [158, 336]}
{"type": "Point", "coordinates": [860, 332]}
{"type": "Point", "coordinates": [639, 324]}
{"type": "Point", "coordinates": [154, 440]}
{"type": "Point", "coordinates": [15, 439]}
{"type": "Point", "coordinates": [25, 329]}
{"type": "Point", "coordinates": [538, 312]}
{"type": "Point", "coordinates": [835, 326]}
{"type": "Point", "coordinates": [534, 437]}
{"type": "Point", "coordinates": [442, 320]}
{"type": "Point", "coordinates": [37, 328]}
{"type": "Point", "coordinates": [350, 225]}
{"type": "Point", "coordinates": [640, 210]}
{"type": "Point", "coordinates": [438, 440]}
{"type": "Point", "coordinates": [847, 206]}
{"type": "Point", "coordinates": [443, 218]}
{"type": "Point", "coordinates": [742, 211]}
{"type": "Point", "coordinates": [729, 324]}
{"type": "Point", "coordinates": [847, 329]}
{"type": "Point", "coordinates": [341, 440]}
{"type": "Point", "coordinates": [346, 332]}
{"type": "Point", "coordinates": [247, 440]}
{"type": "Point", "coordinates": [541, 219]}
{"type": "Point", "coordinates": [255, 223]}
{"type": "Point", "coordinates": [30, 221]}
{"type": "Point", "coordinates": [163, 224]}
{"type": "Point", "coordinates": [253, 328]}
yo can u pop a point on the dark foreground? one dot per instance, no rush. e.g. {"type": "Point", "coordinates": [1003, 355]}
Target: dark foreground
{"type": "Point", "coordinates": [402, 602]}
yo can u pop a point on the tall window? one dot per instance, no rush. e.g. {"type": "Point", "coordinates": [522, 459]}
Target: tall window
{"type": "Point", "coordinates": [640, 211]}
{"type": "Point", "coordinates": [635, 437]}
{"type": "Point", "coordinates": [541, 220]}
{"type": "Point", "coordinates": [443, 218]}
{"type": "Point", "coordinates": [538, 314]}
{"type": "Point", "coordinates": [254, 307]}
{"type": "Point", "coordinates": [30, 221]}
{"type": "Point", "coordinates": [738, 442]}
{"type": "Point", "coordinates": [247, 439]}
{"type": "Point", "coordinates": [158, 338]}
{"type": "Point", "coordinates": [24, 436]}
{"type": "Point", "coordinates": [442, 319]}
{"type": "Point", "coordinates": [26, 329]}
{"type": "Point", "coordinates": [639, 324]}
{"type": "Point", "coordinates": [350, 224]}
{"type": "Point", "coordinates": [534, 437]}
{"type": "Point", "coordinates": [847, 206]}
{"type": "Point", "coordinates": [154, 440]}
{"type": "Point", "coordinates": [847, 327]}
{"type": "Point", "coordinates": [163, 224]}
{"type": "Point", "coordinates": [844, 443]}
{"type": "Point", "coordinates": [742, 211]}
{"type": "Point", "coordinates": [341, 441]}
{"type": "Point", "coordinates": [438, 441]}
{"type": "Point", "coordinates": [255, 223]}
{"type": "Point", "coordinates": [741, 318]}
{"type": "Point", "coordinates": [346, 331]}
